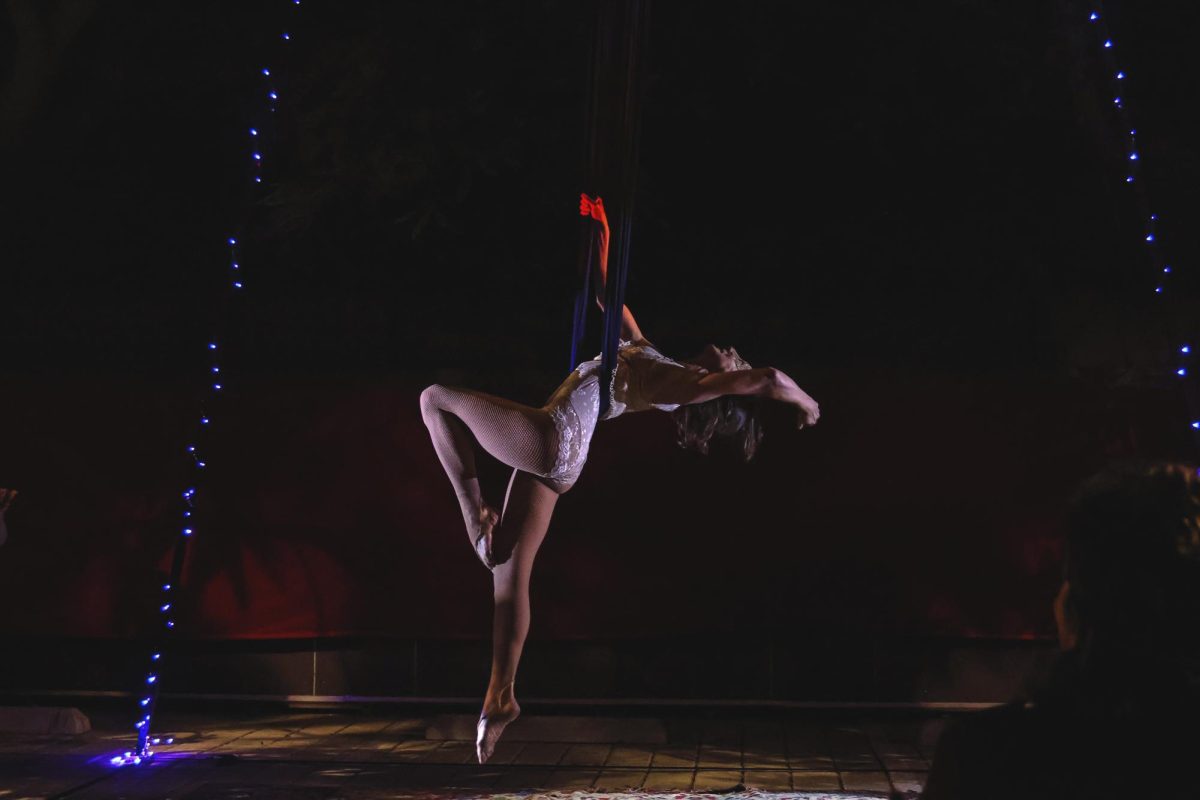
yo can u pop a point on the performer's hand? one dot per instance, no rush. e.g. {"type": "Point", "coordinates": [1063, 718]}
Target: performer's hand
{"type": "Point", "coordinates": [6, 498]}
{"type": "Point", "coordinates": [593, 208]}
{"type": "Point", "coordinates": [807, 409]}
{"type": "Point", "coordinates": [808, 412]}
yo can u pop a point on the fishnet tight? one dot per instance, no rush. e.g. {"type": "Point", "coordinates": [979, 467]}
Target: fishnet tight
{"type": "Point", "coordinates": [517, 435]}
{"type": "Point", "coordinates": [524, 438]}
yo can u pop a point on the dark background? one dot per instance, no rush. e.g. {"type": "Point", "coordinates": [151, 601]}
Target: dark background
{"type": "Point", "coordinates": [917, 210]}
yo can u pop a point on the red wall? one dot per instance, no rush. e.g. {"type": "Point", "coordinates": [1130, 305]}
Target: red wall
{"type": "Point", "coordinates": [919, 505]}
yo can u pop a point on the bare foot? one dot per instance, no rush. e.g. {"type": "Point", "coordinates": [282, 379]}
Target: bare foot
{"type": "Point", "coordinates": [481, 535]}
{"type": "Point", "coordinates": [495, 718]}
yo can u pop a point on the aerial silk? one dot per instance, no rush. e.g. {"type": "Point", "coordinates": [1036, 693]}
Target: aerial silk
{"type": "Point", "coordinates": [616, 77]}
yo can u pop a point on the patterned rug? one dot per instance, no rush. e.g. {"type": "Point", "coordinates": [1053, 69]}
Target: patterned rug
{"type": "Point", "coordinates": [240, 791]}
{"type": "Point", "coordinates": [739, 795]}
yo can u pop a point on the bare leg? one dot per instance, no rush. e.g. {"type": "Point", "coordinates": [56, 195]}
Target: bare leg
{"type": "Point", "coordinates": [514, 434]}
{"type": "Point", "coordinates": [527, 512]}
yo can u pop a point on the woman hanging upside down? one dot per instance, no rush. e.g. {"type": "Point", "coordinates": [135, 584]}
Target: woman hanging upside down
{"type": "Point", "coordinates": [709, 395]}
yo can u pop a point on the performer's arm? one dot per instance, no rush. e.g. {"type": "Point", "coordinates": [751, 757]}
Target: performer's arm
{"type": "Point", "coordinates": [595, 209]}
{"type": "Point", "coordinates": [774, 384]}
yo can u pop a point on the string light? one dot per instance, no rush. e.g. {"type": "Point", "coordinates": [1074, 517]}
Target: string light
{"type": "Point", "coordinates": [1182, 352]}
{"type": "Point", "coordinates": [148, 698]}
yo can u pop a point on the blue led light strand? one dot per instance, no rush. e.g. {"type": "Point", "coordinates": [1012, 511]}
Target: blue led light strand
{"type": "Point", "coordinates": [216, 384]}
{"type": "Point", "coordinates": [1097, 20]}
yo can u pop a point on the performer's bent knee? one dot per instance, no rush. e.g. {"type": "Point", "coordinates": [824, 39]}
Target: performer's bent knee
{"type": "Point", "coordinates": [431, 399]}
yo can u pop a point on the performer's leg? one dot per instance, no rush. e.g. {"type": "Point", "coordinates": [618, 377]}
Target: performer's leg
{"type": "Point", "coordinates": [527, 512]}
{"type": "Point", "coordinates": [514, 434]}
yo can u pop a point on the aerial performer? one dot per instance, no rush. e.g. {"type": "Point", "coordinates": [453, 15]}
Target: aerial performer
{"type": "Point", "coordinates": [712, 394]}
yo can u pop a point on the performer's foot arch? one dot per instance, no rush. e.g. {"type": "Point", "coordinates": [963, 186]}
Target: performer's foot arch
{"type": "Point", "coordinates": [493, 722]}
{"type": "Point", "coordinates": [489, 518]}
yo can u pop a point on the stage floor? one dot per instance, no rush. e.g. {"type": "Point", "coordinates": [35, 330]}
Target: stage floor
{"type": "Point", "coordinates": [375, 754]}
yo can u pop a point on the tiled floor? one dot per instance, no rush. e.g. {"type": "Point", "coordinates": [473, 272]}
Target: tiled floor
{"type": "Point", "coordinates": [359, 755]}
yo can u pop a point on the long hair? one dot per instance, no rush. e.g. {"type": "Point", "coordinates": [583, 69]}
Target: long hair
{"type": "Point", "coordinates": [733, 418]}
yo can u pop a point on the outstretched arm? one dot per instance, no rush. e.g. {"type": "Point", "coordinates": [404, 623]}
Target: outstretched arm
{"type": "Point", "coordinates": [698, 387]}
{"type": "Point", "coordinates": [594, 208]}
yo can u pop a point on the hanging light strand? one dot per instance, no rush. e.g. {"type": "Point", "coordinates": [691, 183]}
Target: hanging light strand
{"type": "Point", "coordinates": [198, 463]}
{"type": "Point", "coordinates": [1119, 82]}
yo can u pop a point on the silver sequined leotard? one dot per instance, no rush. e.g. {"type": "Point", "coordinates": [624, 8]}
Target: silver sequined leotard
{"type": "Point", "coordinates": [575, 405]}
